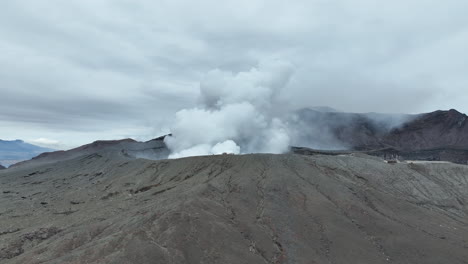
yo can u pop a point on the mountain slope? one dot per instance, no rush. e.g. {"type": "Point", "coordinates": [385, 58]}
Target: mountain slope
{"type": "Point", "coordinates": [18, 150]}
{"type": "Point", "coordinates": [440, 135]}
{"type": "Point", "coordinates": [340, 130]}
{"type": "Point", "coordinates": [433, 130]}
{"type": "Point", "coordinates": [108, 208]}
{"type": "Point", "coordinates": [153, 149]}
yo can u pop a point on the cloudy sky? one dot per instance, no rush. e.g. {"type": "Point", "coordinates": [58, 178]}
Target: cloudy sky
{"type": "Point", "coordinates": [75, 71]}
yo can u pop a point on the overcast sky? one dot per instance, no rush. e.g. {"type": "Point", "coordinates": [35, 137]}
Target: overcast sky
{"type": "Point", "coordinates": [75, 71]}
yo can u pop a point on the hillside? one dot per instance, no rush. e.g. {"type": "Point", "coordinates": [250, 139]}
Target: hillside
{"type": "Point", "coordinates": [434, 130]}
{"type": "Point", "coordinates": [439, 135]}
{"type": "Point", "coordinates": [340, 130]}
{"type": "Point", "coordinates": [152, 149]}
{"type": "Point", "coordinates": [107, 207]}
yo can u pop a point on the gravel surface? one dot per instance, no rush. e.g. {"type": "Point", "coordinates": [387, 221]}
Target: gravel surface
{"type": "Point", "coordinates": [108, 208]}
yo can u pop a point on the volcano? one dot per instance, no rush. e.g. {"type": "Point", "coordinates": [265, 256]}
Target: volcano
{"type": "Point", "coordinates": [122, 201]}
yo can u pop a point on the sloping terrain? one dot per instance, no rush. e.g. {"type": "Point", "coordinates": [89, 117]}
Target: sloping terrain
{"type": "Point", "coordinates": [375, 131]}
{"type": "Point", "coordinates": [340, 130]}
{"type": "Point", "coordinates": [153, 149]}
{"type": "Point", "coordinates": [106, 207]}
{"type": "Point", "coordinates": [459, 156]}
{"type": "Point", "coordinates": [17, 150]}
{"type": "Point", "coordinates": [429, 131]}
{"type": "Point", "coordinates": [440, 135]}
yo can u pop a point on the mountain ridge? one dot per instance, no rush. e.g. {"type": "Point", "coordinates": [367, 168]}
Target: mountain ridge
{"type": "Point", "coordinates": [366, 132]}
{"type": "Point", "coordinates": [439, 135]}
{"type": "Point", "coordinates": [152, 149]}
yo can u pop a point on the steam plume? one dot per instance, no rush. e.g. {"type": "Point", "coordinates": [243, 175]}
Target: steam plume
{"type": "Point", "coordinates": [235, 114]}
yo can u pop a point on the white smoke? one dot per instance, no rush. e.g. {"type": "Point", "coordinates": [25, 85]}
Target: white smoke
{"type": "Point", "coordinates": [235, 115]}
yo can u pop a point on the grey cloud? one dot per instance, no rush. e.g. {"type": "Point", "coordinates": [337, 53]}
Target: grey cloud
{"type": "Point", "coordinates": [112, 66]}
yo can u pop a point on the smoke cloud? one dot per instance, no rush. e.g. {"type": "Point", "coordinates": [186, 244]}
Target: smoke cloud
{"type": "Point", "coordinates": [235, 114]}
{"type": "Point", "coordinates": [329, 129]}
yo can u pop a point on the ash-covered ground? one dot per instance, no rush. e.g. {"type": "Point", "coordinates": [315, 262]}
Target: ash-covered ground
{"type": "Point", "coordinates": [107, 207]}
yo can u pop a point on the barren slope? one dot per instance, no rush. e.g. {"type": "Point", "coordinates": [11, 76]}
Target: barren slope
{"type": "Point", "coordinates": [153, 149]}
{"type": "Point", "coordinates": [439, 129]}
{"type": "Point", "coordinates": [107, 208]}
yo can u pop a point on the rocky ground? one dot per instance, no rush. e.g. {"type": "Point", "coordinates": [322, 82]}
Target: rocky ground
{"type": "Point", "coordinates": [451, 155]}
{"type": "Point", "coordinates": [109, 208]}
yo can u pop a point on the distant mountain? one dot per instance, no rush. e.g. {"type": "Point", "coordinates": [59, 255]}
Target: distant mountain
{"type": "Point", "coordinates": [1, 167]}
{"type": "Point", "coordinates": [439, 135]}
{"type": "Point", "coordinates": [153, 149]}
{"type": "Point", "coordinates": [325, 109]}
{"type": "Point", "coordinates": [335, 130]}
{"type": "Point", "coordinates": [340, 130]}
{"type": "Point", "coordinates": [433, 130]}
{"type": "Point", "coordinates": [17, 150]}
